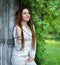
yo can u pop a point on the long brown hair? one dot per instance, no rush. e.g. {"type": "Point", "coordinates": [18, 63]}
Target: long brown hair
{"type": "Point", "coordinates": [30, 24]}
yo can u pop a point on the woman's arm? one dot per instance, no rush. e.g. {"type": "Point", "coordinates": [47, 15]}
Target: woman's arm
{"type": "Point", "coordinates": [17, 37]}
{"type": "Point", "coordinates": [17, 33]}
{"type": "Point", "coordinates": [32, 51]}
{"type": "Point", "coordinates": [32, 54]}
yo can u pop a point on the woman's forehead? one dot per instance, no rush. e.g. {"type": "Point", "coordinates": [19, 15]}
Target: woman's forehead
{"type": "Point", "coordinates": [25, 10]}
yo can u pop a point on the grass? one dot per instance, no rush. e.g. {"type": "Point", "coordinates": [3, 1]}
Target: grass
{"type": "Point", "coordinates": [52, 55]}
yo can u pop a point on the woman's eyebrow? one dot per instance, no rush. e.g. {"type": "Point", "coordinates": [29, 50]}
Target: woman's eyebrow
{"type": "Point", "coordinates": [25, 12]}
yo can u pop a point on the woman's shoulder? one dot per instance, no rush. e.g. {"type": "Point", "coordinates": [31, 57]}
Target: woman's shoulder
{"type": "Point", "coordinates": [17, 27]}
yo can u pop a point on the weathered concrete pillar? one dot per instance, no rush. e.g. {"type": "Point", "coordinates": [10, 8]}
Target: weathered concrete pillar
{"type": "Point", "coordinates": [7, 21]}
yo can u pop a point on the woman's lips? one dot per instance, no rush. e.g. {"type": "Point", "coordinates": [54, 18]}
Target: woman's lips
{"type": "Point", "coordinates": [28, 17]}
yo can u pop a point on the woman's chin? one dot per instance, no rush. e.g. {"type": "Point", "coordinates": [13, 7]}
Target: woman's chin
{"type": "Point", "coordinates": [27, 19]}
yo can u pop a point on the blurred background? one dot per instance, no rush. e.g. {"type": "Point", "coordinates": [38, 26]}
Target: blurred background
{"type": "Point", "coordinates": [46, 18]}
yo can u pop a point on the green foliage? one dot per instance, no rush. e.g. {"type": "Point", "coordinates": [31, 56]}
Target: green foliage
{"type": "Point", "coordinates": [46, 19]}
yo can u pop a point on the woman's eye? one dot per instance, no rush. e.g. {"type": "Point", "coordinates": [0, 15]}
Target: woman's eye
{"type": "Point", "coordinates": [24, 12]}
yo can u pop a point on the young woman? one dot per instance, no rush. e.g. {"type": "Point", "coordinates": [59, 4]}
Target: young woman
{"type": "Point", "coordinates": [24, 37]}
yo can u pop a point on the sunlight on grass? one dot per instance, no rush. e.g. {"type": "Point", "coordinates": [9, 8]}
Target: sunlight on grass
{"type": "Point", "coordinates": [52, 41]}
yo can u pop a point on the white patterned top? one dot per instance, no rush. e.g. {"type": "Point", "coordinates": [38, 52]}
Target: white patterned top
{"type": "Point", "coordinates": [27, 44]}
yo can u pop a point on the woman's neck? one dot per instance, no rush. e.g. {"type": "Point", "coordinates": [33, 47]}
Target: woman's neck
{"type": "Point", "coordinates": [24, 23]}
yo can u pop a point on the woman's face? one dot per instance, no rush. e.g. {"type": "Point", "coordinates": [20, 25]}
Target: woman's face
{"type": "Point", "coordinates": [25, 15]}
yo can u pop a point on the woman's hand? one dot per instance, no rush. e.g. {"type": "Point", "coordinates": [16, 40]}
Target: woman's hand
{"type": "Point", "coordinates": [30, 59]}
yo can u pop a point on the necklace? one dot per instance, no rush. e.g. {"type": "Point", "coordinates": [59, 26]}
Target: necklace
{"type": "Point", "coordinates": [26, 26]}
